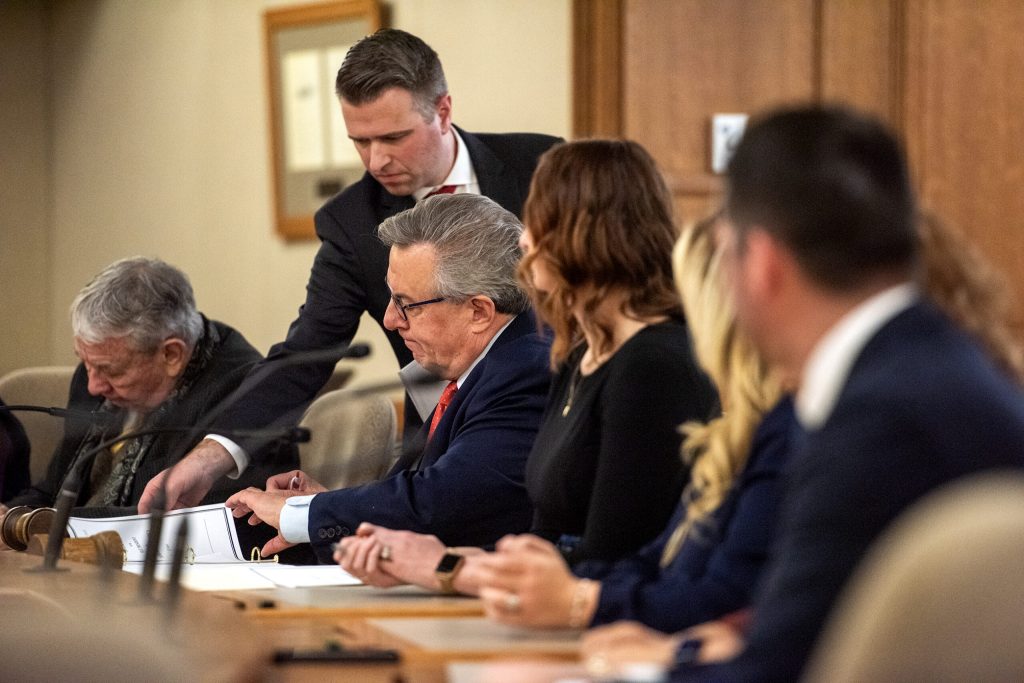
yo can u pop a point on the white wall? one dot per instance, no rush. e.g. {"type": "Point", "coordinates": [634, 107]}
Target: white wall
{"type": "Point", "coordinates": [158, 142]}
{"type": "Point", "coordinates": [24, 187]}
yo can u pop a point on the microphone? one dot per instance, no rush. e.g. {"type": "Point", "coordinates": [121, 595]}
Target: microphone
{"type": "Point", "coordinates": [97, 417]}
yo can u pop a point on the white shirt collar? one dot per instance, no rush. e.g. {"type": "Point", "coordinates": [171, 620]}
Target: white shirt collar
{"type": "Point", "coordinates": [462, 175]}
{"type": "Point", "coordinates": [829, 364]}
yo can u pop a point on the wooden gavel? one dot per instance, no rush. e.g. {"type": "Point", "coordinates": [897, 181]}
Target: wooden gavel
{"type": "Point", "coordinates": [26, 528]}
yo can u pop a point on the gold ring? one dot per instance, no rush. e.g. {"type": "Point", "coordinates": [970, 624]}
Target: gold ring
{"type": "Point", "coordinates": [385, 554]}
{"type": "Point", "coordinates": [512, 603]}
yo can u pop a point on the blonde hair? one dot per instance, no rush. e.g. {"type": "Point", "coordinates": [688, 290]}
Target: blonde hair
{"type": "Point", "coordinates": [717, 450]}
{"type": "Point", "coordinates": [970, 290]}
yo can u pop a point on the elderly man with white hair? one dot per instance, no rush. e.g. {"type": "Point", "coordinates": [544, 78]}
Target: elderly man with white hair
{"type": "Point", "coordinates": [149, 359]}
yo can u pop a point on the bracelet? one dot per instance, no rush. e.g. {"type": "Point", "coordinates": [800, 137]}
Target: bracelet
{"type": "Point", "coordinates": [578, 606]}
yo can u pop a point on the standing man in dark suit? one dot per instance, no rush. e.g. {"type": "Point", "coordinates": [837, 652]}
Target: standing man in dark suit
{"type": "Point", "coordinates": [455, 301]}
{"type": "Point", "coordinates": [398, 112]}
{"type": "Point", "coordinates": [821, 248]}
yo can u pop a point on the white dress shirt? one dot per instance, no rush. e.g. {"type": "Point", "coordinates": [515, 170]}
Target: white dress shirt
{"type": "Point", "coordinates": [830, 361]}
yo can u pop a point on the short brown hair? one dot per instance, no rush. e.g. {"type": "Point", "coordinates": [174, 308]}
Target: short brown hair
{"type": "Point", "coordinates": [388, 59]}
{"type": "Point", "coordinates": [600, 216]}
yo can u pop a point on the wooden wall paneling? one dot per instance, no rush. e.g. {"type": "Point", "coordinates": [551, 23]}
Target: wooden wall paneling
{"type": "Point", "coordinates": [685, 60]}
{"type": "Point", "coordinates": [597, 68]}
{"type": "Point", "coordinates": [964, 113]}
{"type": "Point", "coordinates": [861, 56]}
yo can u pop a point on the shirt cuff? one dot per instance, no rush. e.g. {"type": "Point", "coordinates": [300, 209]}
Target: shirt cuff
{"type": "Point", "coordinates": [294, 519]}
{"type": "Point", "coordinates": [237, 453]}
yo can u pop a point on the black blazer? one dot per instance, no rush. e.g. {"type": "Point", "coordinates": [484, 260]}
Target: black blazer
{"type": "Point", "coordinates": [232, 358]}
{"type": "Point", "coordinates": [348, 274]}
{"type": "Point", "coordinates": [922, 406]}
{"type": "Point", "coordinates": [14, 455]}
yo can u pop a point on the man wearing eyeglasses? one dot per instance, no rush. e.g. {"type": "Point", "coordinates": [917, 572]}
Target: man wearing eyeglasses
{"type": "Point", "coordinates": [457, 306]}
{"type": "Point", "coordinates": [398, 113]}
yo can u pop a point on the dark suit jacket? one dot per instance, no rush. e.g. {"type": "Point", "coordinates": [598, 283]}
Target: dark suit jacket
{"type": "Point", "coordinates": [14, 455]}
{"type": "Point", "coordinates": [468, 485]}
{"type": "Point", "coordinates": [232, 358]}
{"type": "Point", "coordinates": [349, 271]}
{"type": "Point", "coordinates": [922, 406]}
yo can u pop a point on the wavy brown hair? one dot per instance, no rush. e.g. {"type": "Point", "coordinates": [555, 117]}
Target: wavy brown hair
{"type": "Point", "coordinates": [600, 217]}
{"type": "Point", "coordinates": [970, 290]}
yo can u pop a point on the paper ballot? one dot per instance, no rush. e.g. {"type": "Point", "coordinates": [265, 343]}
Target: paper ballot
{"type": "Point", "coordinates": [214, 559]}
{"type": "Point", "coordinates": [211, 534]}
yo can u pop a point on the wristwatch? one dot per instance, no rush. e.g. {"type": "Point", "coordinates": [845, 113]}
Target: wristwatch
{"type": "Point", "coordinates": [450, 564]}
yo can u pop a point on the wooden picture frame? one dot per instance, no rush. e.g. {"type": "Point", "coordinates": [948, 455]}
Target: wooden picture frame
{"type": "Point", "coordinates": [311, 156]}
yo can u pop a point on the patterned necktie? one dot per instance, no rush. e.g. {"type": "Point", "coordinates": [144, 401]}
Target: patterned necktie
{"type": "Point", "coordinates": [444, 189]}
{"type": "Point", "coordinates": [442, 405]}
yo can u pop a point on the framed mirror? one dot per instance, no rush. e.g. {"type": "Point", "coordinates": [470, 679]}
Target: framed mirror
{"type": "Point", "coordinates": [312, 157]}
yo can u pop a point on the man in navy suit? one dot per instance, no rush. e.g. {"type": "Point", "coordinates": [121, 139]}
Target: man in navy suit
{"type": "Point", "coordinates": [398, 113]}
{"type": "Point", "coordinates": [821, 248]}
{"type": "Point", "coordinates": [455, 302]}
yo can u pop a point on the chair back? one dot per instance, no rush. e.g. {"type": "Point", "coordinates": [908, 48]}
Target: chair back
{"type": "Point", "coordinates": [352, 440]}
{"type": "Point", "coordinates": [41, 386]}
{"type": "Point", "coordinates": [940, 597]}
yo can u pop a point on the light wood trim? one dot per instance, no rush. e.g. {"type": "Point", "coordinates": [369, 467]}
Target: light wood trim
{"type": "Point", "coordinates": [597, 68]}
{"type": "Point", "coordinates": [293, 228]}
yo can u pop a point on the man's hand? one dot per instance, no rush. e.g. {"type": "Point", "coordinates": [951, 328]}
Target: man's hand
{"type": "Point", "coordinates": [412, 556]}
{"type": "Point", "coordinates": [265, 506]}
{"type": "Point", "coordinates": [295, 480]}
{"type": "Point", "coordinates": [188, 482]}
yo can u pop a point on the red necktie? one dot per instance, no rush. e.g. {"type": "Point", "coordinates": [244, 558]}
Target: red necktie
{"type": "Point", "coordinates": [442, 405]}
{"type": "Point", "coordinates": [444, 189]}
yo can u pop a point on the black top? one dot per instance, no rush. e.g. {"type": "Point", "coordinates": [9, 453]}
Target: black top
{"type": "Point", "coordinates": [14, 455]}
{"type": "Point", "coordinates": [609, 471]}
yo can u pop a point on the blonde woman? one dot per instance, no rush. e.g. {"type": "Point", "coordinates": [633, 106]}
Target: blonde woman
{"type": "Point", "coordinates": [709, 558]}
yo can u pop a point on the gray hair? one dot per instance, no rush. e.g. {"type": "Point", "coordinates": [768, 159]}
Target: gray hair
{"type": "Point", "coordinates": [477, 244]}
{"type": "Point", "coordinates": [143, 299]}
{"type": "Point", "coordinates": [391, 58]}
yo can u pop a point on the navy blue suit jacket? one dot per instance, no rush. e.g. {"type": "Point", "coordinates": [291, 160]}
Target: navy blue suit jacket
{"type": "Point", "coordinates": [922, 406]}
{"type": "Point", "coordinates": [467, 487]}
{"type": "Point", "coordinates": [718, 566]}
{"type": "Point", "coordinates": [348, 274]}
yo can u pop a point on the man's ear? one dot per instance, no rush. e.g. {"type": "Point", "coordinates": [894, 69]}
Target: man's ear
{"type": "Point", "coordinates": [174, 354]}
{"type": "Point", "coordinates": [444, 112]}
{"type": "Point", "coordinates": [768, 263]}
{"type": "Point", "coordinates": [483, 312]}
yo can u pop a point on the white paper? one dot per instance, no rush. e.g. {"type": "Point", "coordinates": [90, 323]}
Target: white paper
{"type": "Point", "coordinates": [211, 534]}
{"type": "Point", "coordinates": [303, 111]}
{"type": "Point", "coordinates": [305, 576]}
{"type": "Point", "coordinates": [424, 393]}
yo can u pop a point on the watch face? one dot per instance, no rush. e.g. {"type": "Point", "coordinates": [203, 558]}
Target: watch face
{"type": "Point", "coordinates": [449, 562]}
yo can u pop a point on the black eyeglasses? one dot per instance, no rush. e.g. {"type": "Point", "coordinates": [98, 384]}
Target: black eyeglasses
{"type": "Point", "coordinates": [403, 308]}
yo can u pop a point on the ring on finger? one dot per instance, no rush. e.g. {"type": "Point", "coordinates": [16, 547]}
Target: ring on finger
{"type": "Point", "coordinates": [385, 554]}
{"type": "Point", "coordinates": [512, 603]}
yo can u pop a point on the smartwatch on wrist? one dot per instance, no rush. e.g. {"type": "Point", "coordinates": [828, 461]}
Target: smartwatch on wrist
{"type": "Point", "coordinates": [447, 568]}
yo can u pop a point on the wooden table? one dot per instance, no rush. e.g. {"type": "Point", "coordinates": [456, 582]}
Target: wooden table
{"type": "Point", "coordinates": [78, 622]}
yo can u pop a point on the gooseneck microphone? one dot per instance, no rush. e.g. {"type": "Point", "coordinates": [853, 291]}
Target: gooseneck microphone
{"type": "Point", "coordinates": [96, 417]}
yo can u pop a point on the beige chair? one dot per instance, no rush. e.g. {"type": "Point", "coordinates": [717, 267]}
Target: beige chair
{"type": "Point", "coordinates": [941, 595]}
{"type": "Point", "coordinates": [41, 386]}
{"type": "Point", "coordinates": [353, 440]}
